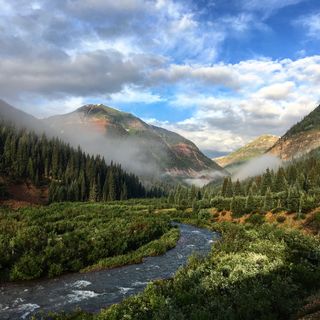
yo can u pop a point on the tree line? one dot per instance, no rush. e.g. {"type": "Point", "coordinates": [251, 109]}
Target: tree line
{"type": "Point", "coordinates": [294, 187]}
{"type": "Point", "coordinates": [70, 173]}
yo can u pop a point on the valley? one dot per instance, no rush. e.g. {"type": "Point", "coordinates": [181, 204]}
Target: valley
{"type": "Point", "coordinates": [69, 215]}
{"type": "Point", "coordinates": [159, 160]}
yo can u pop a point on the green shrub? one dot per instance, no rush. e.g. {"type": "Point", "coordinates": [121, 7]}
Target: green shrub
{"type": "Point", "coordinates": [27, 267]}
{"type": "Point", "coordinates": [66, 237]}
{"type": "Point", "coordinates": [256, 219]}
{"type": "Point", "coordinates": [278, 210]}
{"type": "Point", "coordinates": [238, 206]}
{"type": "Point", "coordinates": [254, 273]}
{"type": "Point", "coordinates": [281, 219]}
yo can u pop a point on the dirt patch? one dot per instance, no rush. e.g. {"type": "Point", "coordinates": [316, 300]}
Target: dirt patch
{"type": "Point", "coordinates": [25, 194]}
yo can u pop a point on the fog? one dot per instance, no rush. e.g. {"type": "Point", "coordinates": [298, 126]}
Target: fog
{"type": "Point", "coordinates": [127, 151]}
{"type": "Point", "coordinates": [145, 155]}
{"type": "Point", "coordinates": [203, 178]}
{"type": "Point", "coordinates": [257, 166]}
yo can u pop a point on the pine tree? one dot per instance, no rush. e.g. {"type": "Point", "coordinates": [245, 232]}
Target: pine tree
{"type": "Point", "coordinates": [229, 189]}
{"type": "Point", "coordinates": [268, 201]}
{"type": "Point", "coordinates": [266, 182]}
{"type": "Point", "coordinates": [224, 186]}
{"type": "Point", "coordinates": [238, 189]}
{"type": "Point", "coordinates": [251, 203]}
{"type": "Point", "coordinates": [93, 192]}
{"type": "Point", "coordinates": [238, 206]}
{"type": "Point", "coordinates": [111, 187]}
{"type": "Point", "coordinates": [293, 201]}
{"type": "Point", "coordinates": [280, 182]}
{"type": "Point", "coordinates": [171, 197]}
{"type": "Point", "coordinates": [124, 192]}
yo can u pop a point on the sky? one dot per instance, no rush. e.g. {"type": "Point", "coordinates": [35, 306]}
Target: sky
{"type": "Point", "coordinates": [218, 72]}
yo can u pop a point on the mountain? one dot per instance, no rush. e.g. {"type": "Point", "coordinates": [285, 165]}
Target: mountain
{"type": "Point", "coordinates": [21, 119]}
{"type": "Point", "coordinates": [139, 147]}
{"type": "Point", "coordinates": [10, 114]}
{"type": "Point", "coordinates": [300, 139]}
{"type": "Point", "coordinates": [252, 150]}
{"type": "Point", "coordinates": [37, 169]}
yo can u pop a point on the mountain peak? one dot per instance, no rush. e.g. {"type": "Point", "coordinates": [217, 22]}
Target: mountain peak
{"type": "Point", "coordinates": [94, 109]}
{"type": "Point", "coordinates": [124, 138]}
{"type": "Point", "coordinates": [251, 150]}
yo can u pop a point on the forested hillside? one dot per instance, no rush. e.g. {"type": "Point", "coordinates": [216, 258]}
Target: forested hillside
{"type": "Point", "coordinates": [299, 139]}
{"type": "Point", "coordinates": [294, 187]}
{"type": "Point", "coordinates": [69, 173]}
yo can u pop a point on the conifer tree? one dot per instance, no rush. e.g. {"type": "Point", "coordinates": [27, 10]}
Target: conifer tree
{"type": "Point", "coordinates": [266, 182]}
{"type": "Point", "coordinates": [237, 188]}
{"type": "Point", "coordinates": [124, 192]}
{"type": "Point", "coordinates": [229, 189]}
{"type": "Point", "coordinates": [268, 201]}
{"type": "Point", "coordinates": [280, 182]}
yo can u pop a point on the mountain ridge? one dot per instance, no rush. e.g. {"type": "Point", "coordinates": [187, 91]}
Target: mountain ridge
{"type": "Point", "coordinates": [300, 139]}
{"type": "Point", "coordinates": [253, 149]}
{"type": "Point", "coordinates": [166, 151]}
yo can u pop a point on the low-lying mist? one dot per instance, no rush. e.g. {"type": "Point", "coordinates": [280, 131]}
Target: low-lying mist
{"type": "Point", "coordinates": [257, 166]}
{"type": "Point", "coordinates": [203, 178]}
{"type": "Point", "coordinates": [127, 151]}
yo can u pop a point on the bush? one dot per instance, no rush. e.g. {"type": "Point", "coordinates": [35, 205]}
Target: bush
{"type": "Point", "coordinates": [238, 206]}
{"type": "Point", "coordinates": [281, 219]}
{"type": "Point", "coordinates": [256, 219]}
{"type": "Point", "coordinates": [26, 268]}
{"type": "Point", "coordinates": [254, 273]}
{"type": "Point", "coordinates": [67, 237]}
{"type": "Point", "coordinates": [278, 210]}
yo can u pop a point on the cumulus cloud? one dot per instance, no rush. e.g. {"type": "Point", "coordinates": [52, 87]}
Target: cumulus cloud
{"type": "Point", "coordinates": [276, 91]}
{"type": "Point", "coordinates": [98, 72]}
{"type": "Point", "coordinates": [58, 53]}
{"type": "Point", "coordinates": [215, 75]}
{"type": "Point", "coordinates": [271, 97]}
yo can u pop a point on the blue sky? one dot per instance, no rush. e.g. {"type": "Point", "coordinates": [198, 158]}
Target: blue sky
{"type": "Point", "coordinates": [218, 72]}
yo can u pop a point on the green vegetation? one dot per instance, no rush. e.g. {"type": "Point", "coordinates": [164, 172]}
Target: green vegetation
{"type": "Point", "coordinates": [71, 174]}
{"type": "Point", "coordinates": [253, 273]}
{"type": "Point", "coordinates": [153, 248]}
{"type": "Point", "coordinates": [310, 122]}
{"type": "Point", "coordinates": [48, 241]}
{"type": "Point", "coordinates": [292, 188]}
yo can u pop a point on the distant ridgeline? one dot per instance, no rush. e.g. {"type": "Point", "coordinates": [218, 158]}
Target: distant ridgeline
{"type": "Point", "coordinates": [70, 174]}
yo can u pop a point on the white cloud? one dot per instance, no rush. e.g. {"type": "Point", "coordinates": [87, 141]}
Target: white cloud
{"type": "Point", "coordinates": [268, 6]}
{"type": "Point", "coordinates": [276, 91]}
{"type": "Point", "coordinates": [215, 75]}
{"type": "Point", "coordinates": [311, 23]}
{"type": "Point", "coordinates": [270, 98]}
{"type": "Point", "coordinates": [45, 108]}
{"type": "Point", "coordinates": [135, 95]}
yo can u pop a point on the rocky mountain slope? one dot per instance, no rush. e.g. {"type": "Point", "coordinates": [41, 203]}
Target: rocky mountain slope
{"type": "Point", "coordinates": [252, 150]}
{"type": "Point", "coordinates": [10, 114]}
{"type": "Point", "coordinates": [139, 147]}
{"type": "Point", "coordinates": [300, 139]}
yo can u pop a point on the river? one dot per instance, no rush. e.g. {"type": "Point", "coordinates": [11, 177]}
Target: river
{"type": "Point", "coordinates": [95, 290]}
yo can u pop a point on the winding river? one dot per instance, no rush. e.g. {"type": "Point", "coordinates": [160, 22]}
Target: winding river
{"type": "Point", "coordinates": [95, 290]}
